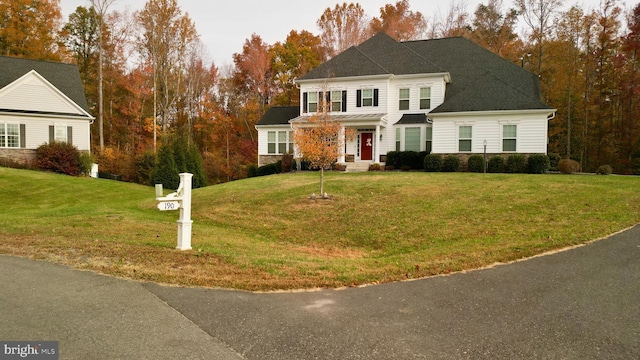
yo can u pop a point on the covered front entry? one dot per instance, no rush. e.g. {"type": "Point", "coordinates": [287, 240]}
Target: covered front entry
{"type": "Point", "coordinates": [366, 146]}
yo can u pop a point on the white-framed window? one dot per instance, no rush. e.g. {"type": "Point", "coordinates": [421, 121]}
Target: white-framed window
{"type": "Point", "coordinates": [398, 139]}
{"type": "Point", "coordinates": [279, 142]}
{"type": "Point", "coordinates": [425, 98]}
{"type": "Point", "coordinates": [412, 139]}
{"type": "Point", "coordinates": [465, 133]}
{"type": "Point", "coordinates": [403, 99]}
{"type": "Point", "coordinates": [60, 133]}
{"type": "Point", "coordinates": [509, 138]}
{"type": "Point", "coordinates": [336, 100]}
{"type": "Point", "coordinates": [313, 101]}
{"type": "Point", "coordinates": [429, 139]}
{"type": "Point", "coordinates": [290, 134]}
{"type": "Point", "coordinates": [9, 135]}
{"type": "Point", "coordinates": [367, 97]}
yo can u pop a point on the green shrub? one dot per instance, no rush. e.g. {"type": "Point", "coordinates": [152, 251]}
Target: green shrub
{"type": "Point", "coordinates": [269, 169]}
{"type": "Point", "coordinates": [195, 166]}
{"type": "Point", "coordinates": [568, 166]}
{"type": "Point", "coordinates": [432, 163]}
{"type": "Point", "coordinates": [496, 164]}
{"type": "Point", "coordinates": [538, 164]}
{"type": "Point", "coordinates": [252, 170]}
{"type": "Point", "coordinates": [59, 157]}
{"type": "Point", "coordinates": [516, 164]}
{"type": "Point", "coordinates": [166, 172]}
{"type": "Point", "coordinates": [604, 170]}
{"type": "Point", "coordinates": [451, 163]}
{"type": "Point", "coordinates": [86, 161]}
{"type": "Point", "coordinates": [476, 163]}
{"type": "Point", "coordinates": [554, 159]}
{"type": "Point", "coordinates": [393, 159]}
{"type": "Point", "coordinates": [412, 159]}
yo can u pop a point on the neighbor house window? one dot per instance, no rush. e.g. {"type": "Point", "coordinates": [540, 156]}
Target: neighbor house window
{"type": "Point", "coordinates": [277, 142]}
{"type": "Point", "coordinates": [290, 142]}
{"type": "Point", "coordinates": [397, 139]}
{"type": "Point", "coordinates": [9, 135]}
{"type": "Point", "coordinates": [282, 142]}
{"type": "Point", "coordinates": [271, 142]}
{"type": "Point", "coordinates": [425, 98]}
{"type": "Point", "coordinates": [464, 138]}
{"type": "Point", "coordinates": [509, 137]}
{"type": "Point", "coordinates": [429, 140]}
{"type": "Point", "coordinates": [412, 139]}
{"type": "Point", "coordinates": [403, 103]}
{"type": "Point", "coordinates": [60, 133]}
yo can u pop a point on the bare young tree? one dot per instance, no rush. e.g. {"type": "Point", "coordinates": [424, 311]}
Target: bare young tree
{"type": "Point", "coordinates": [538, 15]}
{"type": "Point", "coordinates": [343, 27]}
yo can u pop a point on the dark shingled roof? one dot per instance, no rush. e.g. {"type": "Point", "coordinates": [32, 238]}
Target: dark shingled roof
{"type": "Point", "coordinates": [412, 119]}
{"type": "Point", "coordinates": [380, 55]}
{"type": "Point", "coordinates": [279, 115]}
{"type": "Point", "coordinates": [480, 79]}
{"type": "Point", "coordinates": [65, 77]}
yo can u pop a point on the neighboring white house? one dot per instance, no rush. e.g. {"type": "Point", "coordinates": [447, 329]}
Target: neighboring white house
{"type": "Point", "coordinates": [444, 96]}
{"type": "Point", "coordinates": [40, 101]}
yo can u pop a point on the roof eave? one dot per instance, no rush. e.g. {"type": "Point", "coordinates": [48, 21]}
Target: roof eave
{"type": "Point", "coordinates": [347, 78]}
{"type": "Point", "coordinates": [491, 112]}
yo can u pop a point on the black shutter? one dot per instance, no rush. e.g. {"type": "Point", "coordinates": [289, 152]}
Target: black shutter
{"type": "Point", "coordinates": [23, 137]}
{"type": "Point", "coordinates": [69, 135]}
{"type": "Point", "coordinates": [305, 97]}
{"type": "Point", "coordinates": [375, 97]}
{"type": "Point", "coordinates": [328, 96]}
{"type": "Point", "coordinates": [344, 100]}
{"type": "Point", "coordinates": [359, 98]}
{"type": "Point", "coordinates": [51, 133]}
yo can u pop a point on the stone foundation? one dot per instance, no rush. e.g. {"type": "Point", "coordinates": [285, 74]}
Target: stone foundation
{"type": "Point", "coordinates": [268, 159]}
{"type": "Point", "coordinates": [21, 156]}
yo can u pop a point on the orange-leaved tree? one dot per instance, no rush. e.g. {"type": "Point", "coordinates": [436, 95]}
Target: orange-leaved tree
{"type": "Point", "coordinates": [320, 141]}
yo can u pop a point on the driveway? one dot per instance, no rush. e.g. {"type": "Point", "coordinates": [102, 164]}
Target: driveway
{"type": "Point", "coordinates": [583, 303]}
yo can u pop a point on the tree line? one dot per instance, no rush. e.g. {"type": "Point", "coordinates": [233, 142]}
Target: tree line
{"type": "Point", "coordinates": [148, 80]}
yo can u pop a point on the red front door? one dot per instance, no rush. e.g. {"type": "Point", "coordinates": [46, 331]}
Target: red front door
{"type": "Point", "coordinates": [366, 146]}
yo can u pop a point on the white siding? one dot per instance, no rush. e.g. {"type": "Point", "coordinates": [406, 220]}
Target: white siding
{"type": "Point", "coordinates": [33, 93]}
{"type": "Point", "coordinates": [531, 136]}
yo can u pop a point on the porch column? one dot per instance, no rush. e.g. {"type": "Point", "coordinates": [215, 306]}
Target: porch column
{"type": "Point", "coordinates": [341, 159]}
{"type": "Point", "coordinates": [376, 151]}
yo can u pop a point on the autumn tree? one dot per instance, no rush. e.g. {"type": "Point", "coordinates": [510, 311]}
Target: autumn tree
{"type": "Point", "coordinates": [165, 38]}
{"type": "Point", "coordinates": [320, 141]}
{"type": "Point", "coordinates": [492, 29]}
{"type": "Point", "coordinates": [301, 52]}
{"type": "Point", "coordinates": [455, 23]}
{"type": "Point", "coordinates": [399, 22]}
{"type": "Point", "coordinates": [342, 27]}
{"type": "Point", "coordinates": [538, 15]}
{"type": "Point", "coordinates": [29, 29]}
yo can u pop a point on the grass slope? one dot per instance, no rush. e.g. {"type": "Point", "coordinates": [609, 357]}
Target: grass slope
{"type": "Point", "coordinates": [265, 234]}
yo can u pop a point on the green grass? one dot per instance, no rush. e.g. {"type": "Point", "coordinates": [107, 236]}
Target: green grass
{"type": "Point", "coordinates": [265, 233]}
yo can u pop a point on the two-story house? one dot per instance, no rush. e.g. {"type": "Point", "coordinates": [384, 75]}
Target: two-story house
{"type": "Point", "coordinates": [444, 96]}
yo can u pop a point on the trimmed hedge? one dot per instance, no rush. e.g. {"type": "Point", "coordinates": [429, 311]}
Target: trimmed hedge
{"type": "Point", "coordinates": [476, 163]}
{"type": "Point", "coordinates": [538, 164]}
{"type": "Point", "coordinates": [554, 159]}
{"type": "Point", "coordinates": [516, 164]}
{"type": "Point", "coordinates": [568, 166]}
{"type": "Point", "coordinates": [269, 169]}
{"type": "Point", "coordinates": [406, 159]}
{"type": "Point", "coordinates": [432, 163]}
{"type": "Point", "coordinates": [604, 170]}
{"type": "Point", "coordinates": [496, 164]}
{"type": "Point", "coordinates": [451, 163]}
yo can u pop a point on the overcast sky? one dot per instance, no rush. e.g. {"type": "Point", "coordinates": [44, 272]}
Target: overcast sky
{"type": "Point", "coordinates": [224, 25]}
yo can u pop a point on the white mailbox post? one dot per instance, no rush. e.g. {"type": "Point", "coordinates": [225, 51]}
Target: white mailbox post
{"type": "Point", "coordinates": [181, 199]}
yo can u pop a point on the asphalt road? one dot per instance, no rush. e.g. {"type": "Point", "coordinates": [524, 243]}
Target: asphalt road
{"type": "Point", "coordinates": [583, 303]}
